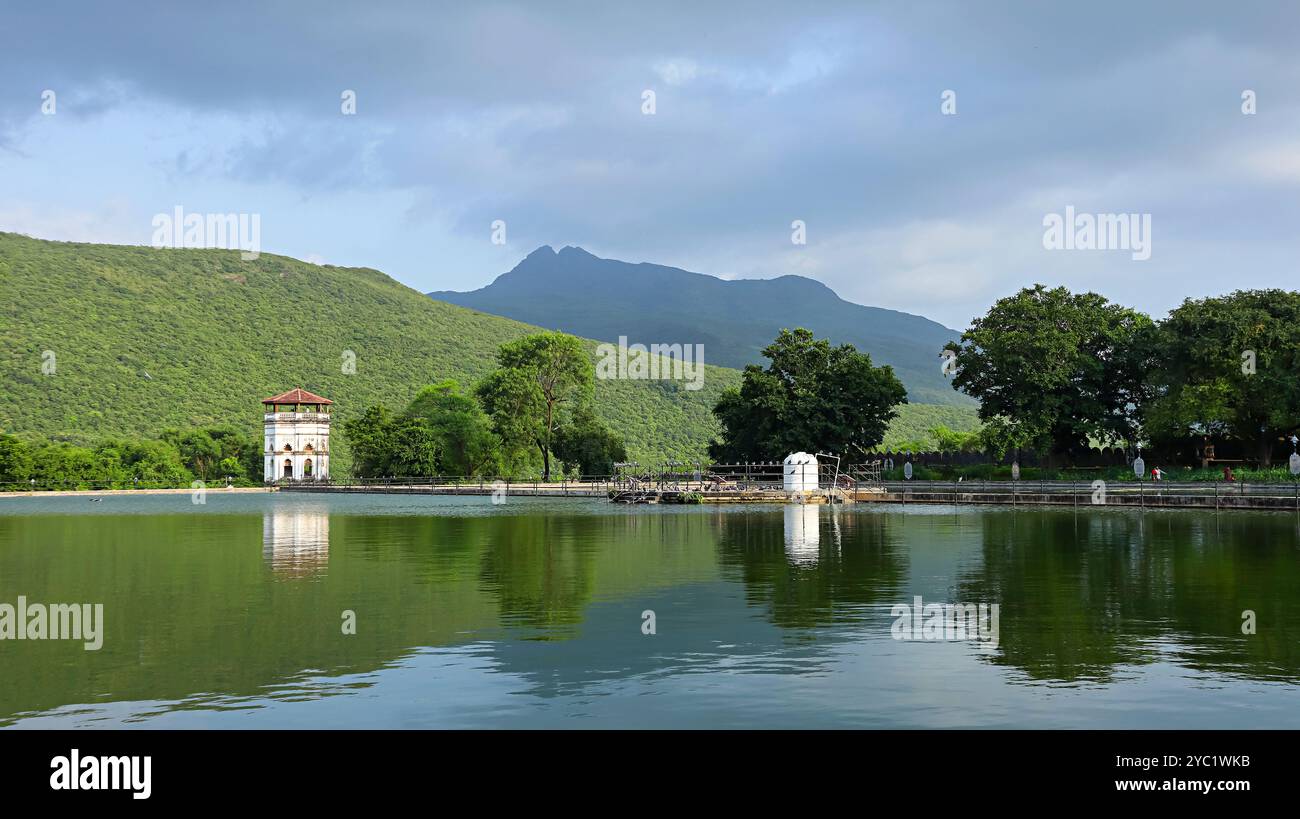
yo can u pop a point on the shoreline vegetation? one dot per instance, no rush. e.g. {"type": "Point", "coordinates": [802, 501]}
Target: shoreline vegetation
{"type": "Point", "coordinates": [90, 493]}
{"type": "Point", "coordinates": [1105, 374]}
{"type": "Point", "coordinates": [115, 397]}
{"type": "Point", "coordinates": [1215, 382]}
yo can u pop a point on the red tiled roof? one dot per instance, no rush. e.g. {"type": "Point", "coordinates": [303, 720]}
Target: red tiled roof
{"type": "Point", "coordinates": [296, 396]}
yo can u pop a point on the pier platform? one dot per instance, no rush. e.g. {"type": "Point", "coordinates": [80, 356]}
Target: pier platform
{"type": "Point", "coordinates": [1145, 495]}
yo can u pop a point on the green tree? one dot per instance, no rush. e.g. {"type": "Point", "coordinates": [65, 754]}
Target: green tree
{"type": "Point", "coordinates": [63, 464]}
{"type": "Point", "coordinates": [1057, 368]}
{"type": "Point", "coordinates": [150, 462]}
{"type": "Point", "coordinates": [244, 449]}
{"type": "Point", "coordinates": [540, 378]}
{"type": "Point", "coordinates": [369, 437]}
{"type": "Point", "coordinates": [205, 452]}
{"type": "Point", "coordinates": [912, 445]}
{"type": "Point", "coordinates": [414, 448]}
{"type": "Point", "coordinates": [1230, 365]}
{"type": "Point", "coordinates": [442, 431]}
{"type": "Point", "coordinates": [588, 445]}
{"type": "Point", "coordinates": [466, 443]}
{"type": "Point", "coordinates": [997, 436]}
{"type": "Point", "coordinates": [15, 460]}
{"type": "Point", "coordinates": [951, 440]}
{"type": "Point", "coordinates": [197, 450]}
{"type": "Point", "coordinates": [812, 396]}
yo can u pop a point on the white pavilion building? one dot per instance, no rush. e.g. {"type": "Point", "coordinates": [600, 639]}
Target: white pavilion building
{"type": "Point", "coordinates": [296, 427]}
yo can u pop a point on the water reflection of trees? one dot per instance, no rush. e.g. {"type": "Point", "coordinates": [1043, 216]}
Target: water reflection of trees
{"type": "Point", "coordinates": [541, 570]}
{"type": "Point", "coordinates": [231, 604]}
{"type": "Point", "coordinates": [1083, 594]}
{"type": "Point", "coordinates": [199, 602]}
{"type": "Point", "coordinates": [544, 570]}
{"type": "Point", "coordinates": [853, 565]}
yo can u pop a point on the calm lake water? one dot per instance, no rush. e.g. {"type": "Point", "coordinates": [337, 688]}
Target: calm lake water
{"type": "Point", "coordinates": [530, 614]}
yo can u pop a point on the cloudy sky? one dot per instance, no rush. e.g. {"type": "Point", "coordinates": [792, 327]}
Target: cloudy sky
{"type": "Point", "coordinates": [764, 113]}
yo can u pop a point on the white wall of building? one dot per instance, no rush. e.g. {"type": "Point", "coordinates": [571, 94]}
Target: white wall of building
{"type": "Point", "coordinates": [296, 437]}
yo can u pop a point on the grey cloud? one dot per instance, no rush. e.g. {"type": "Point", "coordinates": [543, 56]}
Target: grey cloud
{"type": "Point", "coordinates": [766, 113]}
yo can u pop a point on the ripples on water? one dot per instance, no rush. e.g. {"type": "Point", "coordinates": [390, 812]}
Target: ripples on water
{"type": "Point", "coordinates": [530, 614]}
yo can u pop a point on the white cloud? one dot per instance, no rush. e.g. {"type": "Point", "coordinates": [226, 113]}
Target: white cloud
{"type": "Point", "coordinates": [1278, 162]}
{"type": "Point", "coordinates": [677, 71]}
{"type": "Point", "coordinates": [111, 222]}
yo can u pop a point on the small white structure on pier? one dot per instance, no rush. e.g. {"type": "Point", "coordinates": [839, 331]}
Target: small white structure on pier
{"type": "Point", "coordinates": [296, 437]}
{"type": "Point", "coordinates": [800, 472]}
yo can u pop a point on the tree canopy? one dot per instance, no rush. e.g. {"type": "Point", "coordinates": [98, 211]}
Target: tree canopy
{"type": "Point", "coordinates": [811, 397]}
{"type": "Point", "coordinates": [1229, 365]}
{"type": "Point", "coordinates": [178, 458]}
{"type": "Point", "coordinates": [536, 405]}
{"type": "Point", "coordinates": [1053, 369]}
{"type": "Point", "coordinates": [541, 380]}
{"type": "Point", "coordinates": [463, 431]}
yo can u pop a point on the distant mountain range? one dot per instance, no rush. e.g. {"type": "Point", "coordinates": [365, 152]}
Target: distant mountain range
{"type": "Point", "coordinates": [585, 295]}
{"type": "Point", "coordinates": [101, 341]}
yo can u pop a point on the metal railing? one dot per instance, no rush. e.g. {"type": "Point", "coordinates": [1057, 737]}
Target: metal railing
{"type": "Point", "coordinates": [459, 484]}
{"type": "Point", "coordinates": [296, 416]}
{"type": "Point", "coordinates": [1153, 493]}
{"type": "Point", "coordinates": [859, 479]}
{"type": "Point", "coordinates": [739, 477]}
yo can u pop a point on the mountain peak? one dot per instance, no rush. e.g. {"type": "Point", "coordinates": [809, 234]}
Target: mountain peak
{"type": "Point", "coordinates": [803, 283]}
{"type": "Point", "coordinates": [577, 292]}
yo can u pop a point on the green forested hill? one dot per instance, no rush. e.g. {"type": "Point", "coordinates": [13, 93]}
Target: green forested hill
{"type": "Point", "coordinates": [145, 339]}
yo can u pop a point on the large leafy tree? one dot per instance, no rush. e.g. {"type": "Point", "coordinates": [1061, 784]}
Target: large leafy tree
{"type": "Point", "coordinates": [588, 445]}
{"type": "Point", "coordinates": [542, 379]}
{"type": "Point", "coordinates": [812, 397]}
{"type": "Point", "coordinates": [414, 447]}
{"type": "Point", "coordinates": [1230, 365]}
{"type": "Point", "coordinates": [1053, 369]}
{"type": "Point", "coordinates": [466, 443]}
{"type": "Point", "coordinates": [112, 463]}
{"type": "Point", "coordinates": [15, 460]}
{"type": "Point", "coordinates": [213, 453]}
{"type": "Point", "coordinates": [385, 444]}
{"type": "Point", "coordinates": [369, 437]}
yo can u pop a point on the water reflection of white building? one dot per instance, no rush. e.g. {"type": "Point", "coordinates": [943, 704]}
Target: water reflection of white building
{"type": "Point", "coordinates": [802, 532]}
{"type": "Point", "coordinates": [296, 541]}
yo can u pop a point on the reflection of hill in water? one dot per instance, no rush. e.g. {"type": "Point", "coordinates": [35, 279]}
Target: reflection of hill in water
{"type": "Point", "coordinates": [801, 566]}
{"type": "Point", "coordinates": [1082, 594]}
{"type": "Point", "coordinates": [811, 566]}
{"type": "Point", "coordinates": [237, 604]}
{"type": "Point", "coordinates": [701, 628]}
